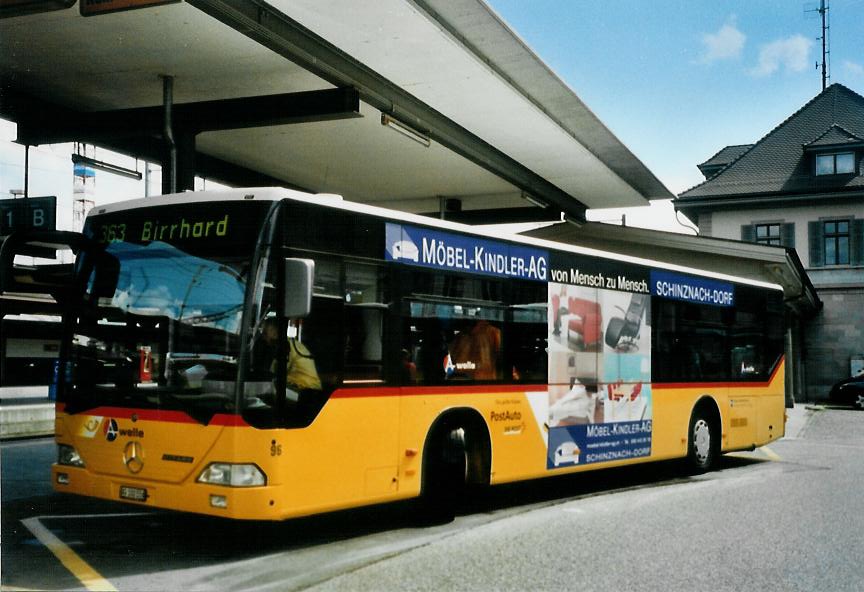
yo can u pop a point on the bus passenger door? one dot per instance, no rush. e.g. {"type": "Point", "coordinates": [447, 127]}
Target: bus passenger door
{"type": "Point", "coordinates": [367, 297]}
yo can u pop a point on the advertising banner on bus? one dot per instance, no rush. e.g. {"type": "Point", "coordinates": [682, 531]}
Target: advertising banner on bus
{"type": "Point", "coordinates": [599, 350]}
{"type": "Point", "coordinates": [425, 247]}
{"type": "Point", "coordinates": [697, 290]}
{"type": "Point", "coordinates": [598, 406]}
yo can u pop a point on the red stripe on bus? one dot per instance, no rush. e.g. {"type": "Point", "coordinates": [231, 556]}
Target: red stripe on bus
{"type": "Point", "coordinates": [350, 393]}
{"type": "Point", "coordinates": [220, 419]}
{"type": "Point", "coordinates": [225, 419]}
{"type": "Point", "coordinates": [683, 385]}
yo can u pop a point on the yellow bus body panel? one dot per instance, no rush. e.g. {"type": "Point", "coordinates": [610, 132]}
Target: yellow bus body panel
{"type": "Point", "coordinates": [368, 448]}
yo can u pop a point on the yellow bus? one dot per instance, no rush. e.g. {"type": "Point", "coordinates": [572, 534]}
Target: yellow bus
{"type": "Point", "coordinates": [265, 354]}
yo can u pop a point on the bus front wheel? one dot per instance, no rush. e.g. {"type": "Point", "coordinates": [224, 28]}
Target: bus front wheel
{"type": "Point", "coordinates": [445, 471]}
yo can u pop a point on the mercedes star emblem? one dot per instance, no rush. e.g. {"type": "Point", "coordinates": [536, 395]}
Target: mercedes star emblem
{"type": "Point", "coordinates": [133, 456]}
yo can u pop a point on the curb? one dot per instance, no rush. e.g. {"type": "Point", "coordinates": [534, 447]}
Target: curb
{"type": "Point", "coordinates": [25, 421]}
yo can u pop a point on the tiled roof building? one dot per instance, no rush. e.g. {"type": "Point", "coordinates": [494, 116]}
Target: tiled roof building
{"type": "Point", "coordinates": [801, 186]}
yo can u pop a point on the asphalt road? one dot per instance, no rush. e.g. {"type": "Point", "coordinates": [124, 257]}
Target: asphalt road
{"type": "Point", "coordinates": [783, 518]}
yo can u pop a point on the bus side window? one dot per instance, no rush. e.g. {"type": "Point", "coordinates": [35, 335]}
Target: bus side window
{"type": "Point", "coordinates": [475, 349]}
{"type": "Point", "coordinates": [448, 342]}
{"type": "Point", "coordinates": [323, 330]}
{"type": "Point", "coordinates": [662, 336]}
{"type": "Point", "coordinates": [679, 344]}
{"type": "Point", "coordinates": [425, 351]}
{"type": "Point", "coordinates": [526, 332]}
{"type": "Point", "coordinates": [756, 335]}
{"type": "Point", "coordinates": [365, 310]}
{"type": "Point", "coordinates": [453, 329]}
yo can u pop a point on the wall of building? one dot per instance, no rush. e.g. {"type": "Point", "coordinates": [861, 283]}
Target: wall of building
{"type": "Point", "coordinates": [727, 224]}
{"type": "Point", "coordinates": [830, 340]}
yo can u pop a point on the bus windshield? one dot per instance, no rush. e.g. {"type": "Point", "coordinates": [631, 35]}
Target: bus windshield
{"type": "Point", "coordinates": [166, 333]}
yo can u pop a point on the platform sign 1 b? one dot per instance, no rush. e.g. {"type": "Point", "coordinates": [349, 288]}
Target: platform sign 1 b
{"type": "Point", "coordinates": [30, 213]}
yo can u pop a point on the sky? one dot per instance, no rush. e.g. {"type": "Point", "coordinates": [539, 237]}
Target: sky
{"type": "Point", "coordinates": [677, 80]}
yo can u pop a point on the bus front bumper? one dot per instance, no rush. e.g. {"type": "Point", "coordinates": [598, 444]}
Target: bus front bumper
{"type": "Point", "coordinates": [243, 503]}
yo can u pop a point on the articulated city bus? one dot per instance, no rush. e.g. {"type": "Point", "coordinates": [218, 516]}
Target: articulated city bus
{"type": "Point", "coordinates": [265, 354]}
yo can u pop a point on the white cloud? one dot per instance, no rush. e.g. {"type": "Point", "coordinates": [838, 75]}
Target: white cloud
{"type": "Point", "coordinates": [791, 54]}
{"type": "Point", "coordinates": [853, 68]}
{"type": "Point", "coordinates": [727, 43]}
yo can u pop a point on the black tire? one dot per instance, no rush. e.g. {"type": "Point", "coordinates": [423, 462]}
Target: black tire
{"type": "Point", "coordinates": [444, 482]}
{"type": "Point", "coordinates": [703, 442]}
{"type": "Point", "coordinates": [613, 332]}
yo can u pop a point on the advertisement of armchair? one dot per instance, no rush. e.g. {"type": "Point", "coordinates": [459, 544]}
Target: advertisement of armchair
{"type": "Point", "coordinates": [599, 375]}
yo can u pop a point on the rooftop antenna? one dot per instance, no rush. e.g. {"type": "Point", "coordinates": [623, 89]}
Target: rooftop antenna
{"type": "Point", "coordinates": [826, 41]}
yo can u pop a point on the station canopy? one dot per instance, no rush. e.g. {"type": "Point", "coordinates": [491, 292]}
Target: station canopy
{"type": "Point", "coordinates": [412, 104]}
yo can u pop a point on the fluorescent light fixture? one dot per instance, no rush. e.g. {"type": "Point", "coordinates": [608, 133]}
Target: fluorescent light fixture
{"type": "Point", "coordinates": [405, 130]}
{"type": "Point", "coordinates": [106, 166]}
{"type": "Point", "coordinates": [578, 223]}
{"type": "Point", "coordinates": [537, 202]}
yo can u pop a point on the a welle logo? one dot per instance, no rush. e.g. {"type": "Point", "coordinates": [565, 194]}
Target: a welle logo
{"type": "Point", "coordinates": [112, 430]}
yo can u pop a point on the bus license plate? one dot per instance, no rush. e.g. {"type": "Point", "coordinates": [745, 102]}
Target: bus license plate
{"type": "Point", "coordinates": [136, 494]}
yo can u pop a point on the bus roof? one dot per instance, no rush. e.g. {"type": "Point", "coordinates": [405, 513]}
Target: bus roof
{"type": "Point", "coordinates": [335, 201]}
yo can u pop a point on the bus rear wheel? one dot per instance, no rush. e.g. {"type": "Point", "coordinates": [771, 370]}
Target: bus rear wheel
{"type": "Point", "coordinates": [703, 446]}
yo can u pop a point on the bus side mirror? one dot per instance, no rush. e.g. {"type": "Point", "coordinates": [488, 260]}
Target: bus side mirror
{"type": "Point", "coordinates": [299, 277]}
{"type": "Point", "coordinates": [54, 279]}
{"type": "Point", "coordinates": [105, 276]}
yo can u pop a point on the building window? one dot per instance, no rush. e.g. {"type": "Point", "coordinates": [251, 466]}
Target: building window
{"type": "Point", "coordinates": [835, 164]}
{"type": "Point", "coordinates": [772, 233]}
{"type": "Point", "coordinates": [768, 234]}
{"type": "Point", "coordinates": [836, 242]}
{"type": "Point", "coordinates": [836, 237]}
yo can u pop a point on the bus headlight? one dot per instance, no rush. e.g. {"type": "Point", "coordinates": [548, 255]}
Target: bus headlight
{"type": "Point", "coordinates": [233, 475]}
{"type": "Point", "coordinates": [66, 455]}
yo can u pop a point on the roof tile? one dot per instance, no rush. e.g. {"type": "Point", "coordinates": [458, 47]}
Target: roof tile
{"type": "Point", "coordinates": [778, 164]}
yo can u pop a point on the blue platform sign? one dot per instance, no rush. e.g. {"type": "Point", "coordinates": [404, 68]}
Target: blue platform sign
{"type": "Point", "coordinates": [425, 247]}
{"type": "Point", "coordinates": [33, 213]}
{"type": "Point", "coordinates": [697, 290]}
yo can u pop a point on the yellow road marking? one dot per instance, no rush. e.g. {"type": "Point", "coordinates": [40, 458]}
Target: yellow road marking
{"type": "Point", "coordinates": [770, 453]}
{"type": "Point", "coordinates": [766, 452]}
{"type": "Point", "coordinates": [79, 568]}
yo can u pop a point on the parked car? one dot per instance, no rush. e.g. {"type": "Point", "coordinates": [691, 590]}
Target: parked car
{"type": "Point", "coordinates": [849, 392]}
